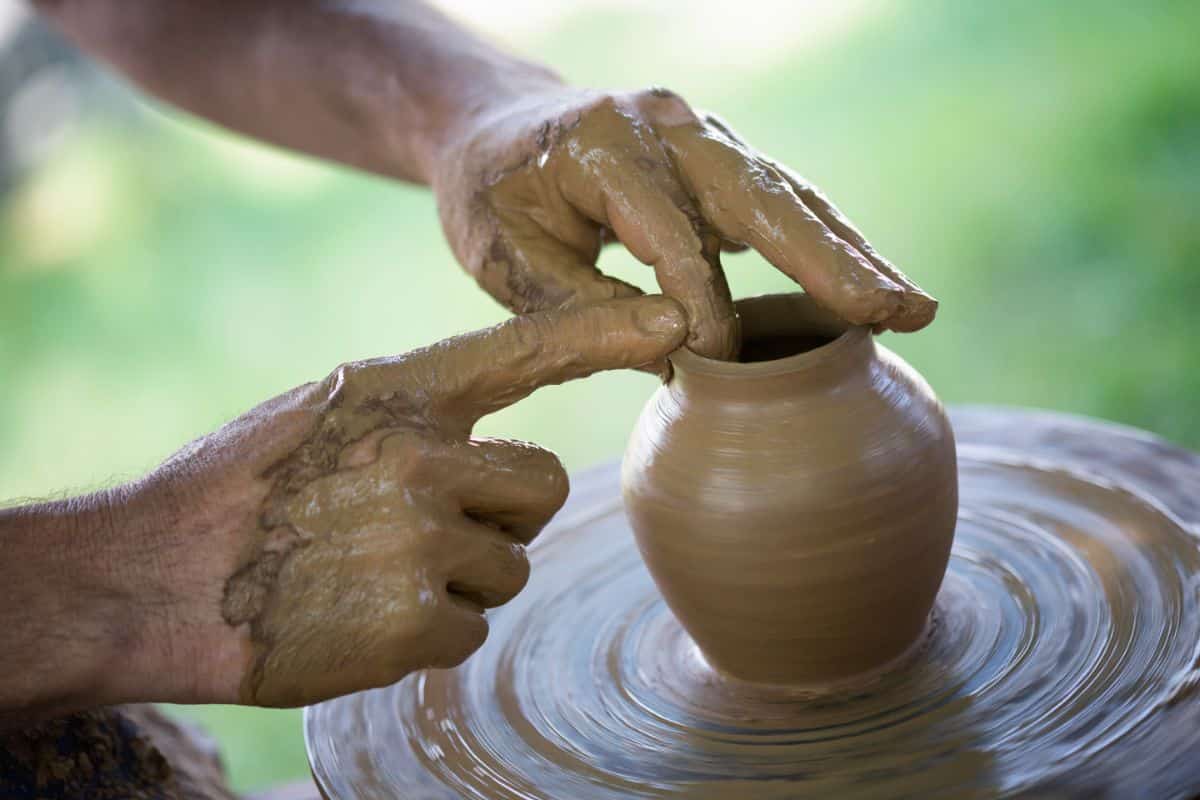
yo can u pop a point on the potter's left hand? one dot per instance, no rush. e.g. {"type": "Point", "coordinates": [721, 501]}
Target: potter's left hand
{"type": "Point", "coordinates": [332, 539]}
{"type": "Point", "coordinates": [529, 190]}
{"type": "Point", "coordinates": [386, 529]}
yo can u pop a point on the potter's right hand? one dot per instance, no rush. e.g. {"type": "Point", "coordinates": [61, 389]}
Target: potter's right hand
{"type": "Point", "coordinates": [532, 183]}
{"type": "Point", "coordinates": [351, 531]}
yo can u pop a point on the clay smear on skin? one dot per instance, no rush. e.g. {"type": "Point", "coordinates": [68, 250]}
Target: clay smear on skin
{"type": "Point", "coordinates": [253, 594]}
{"type": "Point", "coordinates": [571, 169]}
{"type": "Point", "coordinates": [388, 528]}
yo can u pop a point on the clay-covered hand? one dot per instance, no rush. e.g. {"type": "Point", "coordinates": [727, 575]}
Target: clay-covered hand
{"type": "Point", "coordinates": [350, 531]}
{"type": "Point", "coordinates": [529, 190]}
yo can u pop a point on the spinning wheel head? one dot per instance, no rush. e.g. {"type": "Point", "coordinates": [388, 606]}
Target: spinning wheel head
{"type": "Point", "coordinates": [1056, 663]}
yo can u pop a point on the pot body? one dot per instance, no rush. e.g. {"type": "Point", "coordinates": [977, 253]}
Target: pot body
{"type": "Point", "coordinates": [797, 514]}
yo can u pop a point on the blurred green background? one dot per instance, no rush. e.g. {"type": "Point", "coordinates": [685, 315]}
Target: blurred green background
{"type": "Point", "coordinates": [1036, 166]}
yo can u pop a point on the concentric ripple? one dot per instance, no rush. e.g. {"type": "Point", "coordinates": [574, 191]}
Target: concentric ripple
{"type": "Point", "coordinates": [1056, 664]}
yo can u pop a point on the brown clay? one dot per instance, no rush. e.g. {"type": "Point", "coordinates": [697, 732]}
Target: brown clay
{"type": "Point", "coordinates": [1061, 662]}
{"type": "Point", "coordinates": [796, 513]}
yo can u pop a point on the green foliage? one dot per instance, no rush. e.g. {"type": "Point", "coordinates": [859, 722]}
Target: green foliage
{"type": "Point", "coordinates": [1034, 165]}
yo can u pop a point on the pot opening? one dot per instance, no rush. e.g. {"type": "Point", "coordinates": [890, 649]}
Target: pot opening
{"type": "Point", "coordinates": [771, 347]}
{"type": "Point", "coordinates": [781, 333]}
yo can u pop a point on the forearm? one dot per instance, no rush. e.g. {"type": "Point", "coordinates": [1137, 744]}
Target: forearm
{"type": "Point", "coordinates": [376, 84]}
{"type": "Point", "coordinates": [74, 616]}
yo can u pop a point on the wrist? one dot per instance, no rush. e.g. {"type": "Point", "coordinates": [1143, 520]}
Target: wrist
{"type": "Point", "coordinates": [123, 568]}
{"type": "Point", "coordinates": [178, 548]}
{"type": "Point", "coordinates": [499, 87]}
{"type": "Point", "coordinates": [138, 576]}
{"type": "Point", "coordinates": [74, 623]}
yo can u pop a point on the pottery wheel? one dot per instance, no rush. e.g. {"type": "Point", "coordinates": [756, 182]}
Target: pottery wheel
{"type": "Point", "coordinates": [1062, 659]}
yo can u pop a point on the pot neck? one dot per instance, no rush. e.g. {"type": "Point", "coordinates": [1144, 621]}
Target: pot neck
{"type": "Point", "coordinates": [848, 349]}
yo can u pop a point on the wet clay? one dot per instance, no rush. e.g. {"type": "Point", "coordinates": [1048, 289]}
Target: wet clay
{"type": "Point", "coordinates": [532, 190]}
{"type": "Point", "coordinates": [1057, 664]}
{"type": "Point", "coordinates": [796, 513]}
{"type": "Point", "coordinates": [386, 530]}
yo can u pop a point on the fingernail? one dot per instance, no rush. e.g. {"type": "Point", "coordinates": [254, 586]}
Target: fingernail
{"type": "Point", "coordinates": [660, 317]}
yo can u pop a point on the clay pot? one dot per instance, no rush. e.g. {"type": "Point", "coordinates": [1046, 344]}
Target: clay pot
{"type": "Point", "coordinates": [796, 509]}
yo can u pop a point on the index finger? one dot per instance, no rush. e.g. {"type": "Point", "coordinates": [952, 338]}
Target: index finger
{"type": "Point", "coordinates": [748, 201]}
{"type": "Point", "coordinates": [469, 376]}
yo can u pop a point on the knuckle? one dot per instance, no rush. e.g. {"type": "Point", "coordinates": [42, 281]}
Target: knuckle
{"type": "Point", "coordinates": [666, 106]}
{"type": "Point", "coordinates": [609, 124]}
{"type": "Point", "coordinates": [538, 457]}
{"type": "Point", "coordinates": [511, 563]}
{"type": "Point", "coordinates": [770, 179]}
{"type": "Point", "coordinates": [661, 93]}
{"type": "Point", "coordinates": [426, 543]}
{"type": "Point", "coordinates": [403, 443]}
{"type": "Point", "coordinates": [509, 556]}
{"type": "Point", "coordinates": [472, 633]}
{"type": "Point", "coordinates": [489, 263]}
{"type": "Point", "coordinates": [607, 102]}
{"type": "Point", "coordinates": [341, 380]}
{"type": "Point", "coordinates": [410, 453]}
{"type": "Point", "coordinates": [558, 485]}
{"type": "Point", "coordinates": [545, 467]}
{"type": "Point", "coordinates": [476, 633]}
{"type": "Point", "coordinates": [497, 256]}
{"type": "Point", "coordinates": [425, 613]}
{"type": "Point", "coordinates": [523, 338]}
{"type": "Point", "coordinates": [511, 282]}
{"type": "Point", "coordinates": [520, 569]}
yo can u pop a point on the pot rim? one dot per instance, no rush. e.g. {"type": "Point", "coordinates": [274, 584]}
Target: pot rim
{"type": "Point", "coordinates": [809, 312]}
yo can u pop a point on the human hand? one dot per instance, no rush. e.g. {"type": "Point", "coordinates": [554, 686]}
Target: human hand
{"type": "Point", "coordinates": [528, 191]}
{"type": "Point", "coordinates": [350, 531]}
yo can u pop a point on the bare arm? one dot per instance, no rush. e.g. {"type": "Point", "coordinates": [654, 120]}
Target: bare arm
{"type": "Point", "coordinates": [78, 616]}
{"type": "Point", "coordinates": [375, 84]}
{"type": "Point", "coordinates": [531, 176]}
